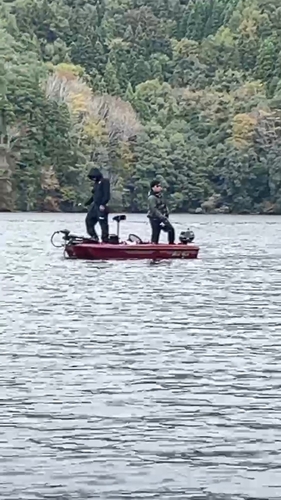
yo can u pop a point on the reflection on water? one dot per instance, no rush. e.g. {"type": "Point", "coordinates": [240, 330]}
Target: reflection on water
{"type": "Point", "coordinates": [130, 381]}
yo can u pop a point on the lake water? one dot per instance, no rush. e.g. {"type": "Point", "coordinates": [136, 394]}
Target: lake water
{"type": "Point", "coordinates": [131, 381]}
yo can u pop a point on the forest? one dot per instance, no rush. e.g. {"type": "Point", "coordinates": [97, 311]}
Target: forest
{"type": "Point", "coordinates": [187, 91]}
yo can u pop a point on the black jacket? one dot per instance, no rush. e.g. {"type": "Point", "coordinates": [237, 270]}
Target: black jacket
{"type": "Point", "coordinates": [101, 189]}
{"type": "Point", "coordinates": [157, 209]}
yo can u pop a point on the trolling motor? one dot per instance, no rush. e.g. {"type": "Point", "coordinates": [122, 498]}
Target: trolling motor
{"type": "Point", "coordinates": [67, 238]}
{"type": "Point", "coordinates": [186, 237]}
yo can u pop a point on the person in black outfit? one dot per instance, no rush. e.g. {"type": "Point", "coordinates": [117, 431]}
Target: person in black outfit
{"type": "Point", "coordinates": [98, 211]}
{"type": "Point", "coordinates": [158, 214]}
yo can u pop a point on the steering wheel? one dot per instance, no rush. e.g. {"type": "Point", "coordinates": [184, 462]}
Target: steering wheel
{"type": "Point", "coordinates": [133, 238]}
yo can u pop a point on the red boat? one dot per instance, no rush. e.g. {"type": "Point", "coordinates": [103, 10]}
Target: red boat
{"type": "Point", "coordinates": [79, 247]}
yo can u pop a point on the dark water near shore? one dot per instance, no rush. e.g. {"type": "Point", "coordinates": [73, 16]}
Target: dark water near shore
{"type": "Point", "coordinates": [131, 381]}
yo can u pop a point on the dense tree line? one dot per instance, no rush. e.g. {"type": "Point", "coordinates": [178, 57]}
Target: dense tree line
{"type": "Point", "coordinates": [186, 90]}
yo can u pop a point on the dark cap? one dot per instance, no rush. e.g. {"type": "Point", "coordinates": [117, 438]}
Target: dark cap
{"type": "Point", "coordinates": [155, 183]}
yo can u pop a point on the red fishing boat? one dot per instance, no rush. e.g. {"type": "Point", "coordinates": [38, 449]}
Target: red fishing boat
{"type": "Point", "coordinates": [79, 247]}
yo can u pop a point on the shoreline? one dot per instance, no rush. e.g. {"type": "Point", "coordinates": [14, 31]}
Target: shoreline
{"type": "Point", "coordinates": [204, 214]}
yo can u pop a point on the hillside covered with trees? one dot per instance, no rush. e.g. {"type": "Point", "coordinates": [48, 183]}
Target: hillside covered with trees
{"type": "Point", "coordinates": [188, 90]}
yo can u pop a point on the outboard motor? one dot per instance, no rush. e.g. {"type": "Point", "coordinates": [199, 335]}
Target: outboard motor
{"type": "Point", "coordinates": [186, 237]}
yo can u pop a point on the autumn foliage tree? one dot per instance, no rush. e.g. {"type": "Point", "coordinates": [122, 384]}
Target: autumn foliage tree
{"type": "Point", "coordinates": [187, 91]}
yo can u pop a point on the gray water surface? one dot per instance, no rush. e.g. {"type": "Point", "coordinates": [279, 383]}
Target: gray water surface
{"type": "Point", "coordinates": [124, 380]}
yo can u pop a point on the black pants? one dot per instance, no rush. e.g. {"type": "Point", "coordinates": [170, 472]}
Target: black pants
{"type": "Point", "coordinates": [94, 216]}
{"type": "Point", "coordinates": [156, 230]}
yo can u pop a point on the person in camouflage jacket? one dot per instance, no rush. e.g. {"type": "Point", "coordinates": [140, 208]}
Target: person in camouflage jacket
{"type": "Point", "coordinates": [158, 214]}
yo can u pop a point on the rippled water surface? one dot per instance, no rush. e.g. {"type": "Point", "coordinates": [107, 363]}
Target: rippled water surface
{"type": "Point", "coordinates": [131, 381]}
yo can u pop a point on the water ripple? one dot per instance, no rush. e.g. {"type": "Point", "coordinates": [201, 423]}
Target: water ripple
{"type": "Point", "coordinates": [131, 381]}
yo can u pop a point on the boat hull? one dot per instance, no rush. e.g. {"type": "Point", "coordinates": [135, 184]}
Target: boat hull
{"type": "Point", "coordinates": [104, 251]}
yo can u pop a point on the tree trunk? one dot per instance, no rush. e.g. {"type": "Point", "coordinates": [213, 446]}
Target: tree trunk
{"type": "Point", "coordinates": [6, 188]}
